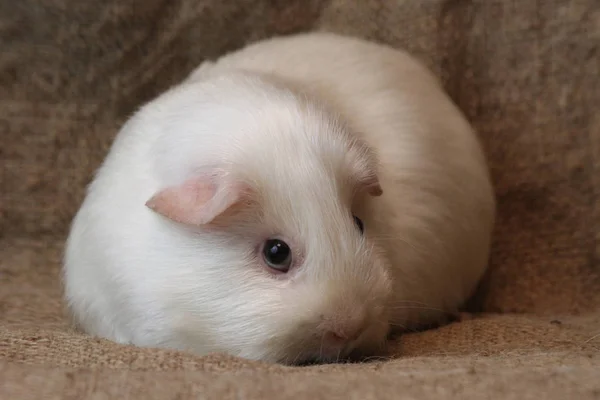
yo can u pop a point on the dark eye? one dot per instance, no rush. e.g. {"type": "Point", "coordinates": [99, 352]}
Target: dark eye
{"type": "Point", "coordinates": [277, 255]}
{"type": "Point", "coordinates": [359, 224]}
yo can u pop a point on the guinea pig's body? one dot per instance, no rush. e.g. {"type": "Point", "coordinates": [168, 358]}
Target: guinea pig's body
{"type": "Point", "coordinates": [291, 201]}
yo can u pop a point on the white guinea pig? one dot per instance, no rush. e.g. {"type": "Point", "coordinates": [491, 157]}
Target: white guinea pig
{"type": "Point", "coordinates": [294, 201]}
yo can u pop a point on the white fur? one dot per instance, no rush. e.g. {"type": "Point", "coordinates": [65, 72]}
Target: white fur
{"type": "Point", "coordinates": [279, 115]}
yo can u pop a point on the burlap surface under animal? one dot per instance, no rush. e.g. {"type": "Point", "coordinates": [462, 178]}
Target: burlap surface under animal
{"type": "Point", "coordinates": [525, 72]}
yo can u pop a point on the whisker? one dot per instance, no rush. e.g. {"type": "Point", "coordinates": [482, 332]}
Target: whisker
{"type": "Point", "coordinates": [377, 358]}
{"type": "Point", "coordinates": [592, 338]}
{"type": "Point", "coordinates": [399, 326]}
{"type": "Point", "coordinates": [299, 353]}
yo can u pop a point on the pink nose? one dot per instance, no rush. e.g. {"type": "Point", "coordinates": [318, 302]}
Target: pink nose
{"type": "Point", "coordinates": [339, 330]}
{"type": "Point", "coordinates": [336, 338]}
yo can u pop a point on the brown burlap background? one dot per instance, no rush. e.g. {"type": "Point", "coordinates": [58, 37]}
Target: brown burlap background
{"type": "Point", "coordinates": [526, 72]}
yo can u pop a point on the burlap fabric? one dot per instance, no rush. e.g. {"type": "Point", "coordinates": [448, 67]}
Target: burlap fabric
{"type": "Point", "coordinates": [526, 73]}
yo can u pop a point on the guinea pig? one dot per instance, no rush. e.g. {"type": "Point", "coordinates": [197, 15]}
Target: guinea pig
{"type": "Point", "coordinates": [297, 200]}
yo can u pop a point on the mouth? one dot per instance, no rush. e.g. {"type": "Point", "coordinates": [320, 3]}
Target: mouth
{"type": "Point", "coordinates": [323, 361]}
{"type": "Point", "coordinates": [308, 358]}
{"type": "Point", "coordinates": [356, 356]}
{"type": "Point", "coordinates": [372, 346]}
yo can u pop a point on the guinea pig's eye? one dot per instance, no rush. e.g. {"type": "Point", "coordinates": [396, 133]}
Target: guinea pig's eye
{"type": "Point", "coordinates": [359, 224]}
{"type": "Point", "coordinates": [277, 255]}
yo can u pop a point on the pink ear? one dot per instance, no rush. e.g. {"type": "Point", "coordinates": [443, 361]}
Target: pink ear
{"type": "Point", "coordinates": [197, 201]}
{"type": "Point", "coordinates": [374, 188]}
{"type": "Point", "coordinates": [371, 185]}
{"type": "Point", "coordinates": [363, 167]}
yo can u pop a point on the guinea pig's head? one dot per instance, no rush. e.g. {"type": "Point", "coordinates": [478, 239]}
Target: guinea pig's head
{"type": "Point", "coordinates": [290, 269]}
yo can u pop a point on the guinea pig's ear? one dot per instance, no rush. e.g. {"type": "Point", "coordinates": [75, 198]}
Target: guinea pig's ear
{"type": "Point", "coordinates": [363, 166]}
{"type": "Point", "coordinates": [198, 200]}
{"type": "Point", "coordinates": [371, 185]}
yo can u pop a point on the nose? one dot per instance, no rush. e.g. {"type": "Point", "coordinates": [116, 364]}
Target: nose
{"type": "Point", "coordinates": [340, 330]}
